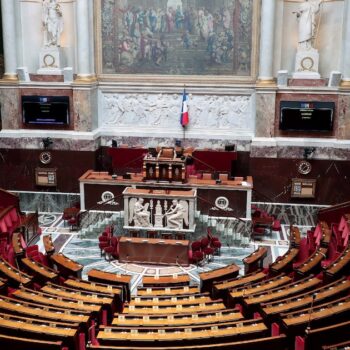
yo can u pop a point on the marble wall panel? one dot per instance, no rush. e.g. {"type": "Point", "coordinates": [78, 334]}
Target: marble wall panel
{"type": "Point", "coordinates": [10, 108]}
{"type": "Point", "coordinates": [344, 116]}
{"type": "Point", "coordinates": [85, 109]}
{"type": "Point", "coordinates": [265, 113]}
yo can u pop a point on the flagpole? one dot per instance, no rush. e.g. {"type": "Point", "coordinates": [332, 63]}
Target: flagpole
{"type": "Point", "coordinates": [184, 126]}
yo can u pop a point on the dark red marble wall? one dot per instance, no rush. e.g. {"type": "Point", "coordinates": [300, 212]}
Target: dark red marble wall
{"type": "Point", "coordinates": [17, 169]}
{"type": "Point", "coordinates": [272, 177]}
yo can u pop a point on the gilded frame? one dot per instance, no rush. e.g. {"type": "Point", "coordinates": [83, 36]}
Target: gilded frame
{"type": "Point", "coordinates": [146, 79]}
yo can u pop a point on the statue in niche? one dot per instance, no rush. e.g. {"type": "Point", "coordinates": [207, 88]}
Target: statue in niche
{"type": "Point", "coordinates": [52, 22]}
{"type": "Point", "coordinates": [139, 213]}
{"type": "Point", "coordinates": [177, 214]}
{"type": "Point", "coordinates": [306, 15]}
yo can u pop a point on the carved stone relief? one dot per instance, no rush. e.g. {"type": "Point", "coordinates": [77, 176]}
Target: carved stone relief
{"type": "Point", "coordinates": [163, 112]}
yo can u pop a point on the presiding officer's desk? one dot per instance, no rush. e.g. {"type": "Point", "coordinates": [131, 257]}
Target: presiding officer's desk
{"type": "Point", "coordinates": [238, 192]}
{"type": "Point", "coordinates": [152, 250]}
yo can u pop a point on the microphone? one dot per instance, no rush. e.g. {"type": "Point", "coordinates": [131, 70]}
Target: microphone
{"type": "Point", "coordinates": [314, 295]}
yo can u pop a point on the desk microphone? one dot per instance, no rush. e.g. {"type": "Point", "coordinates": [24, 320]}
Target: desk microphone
{"type": "Point", "coordinates": [314, 295]}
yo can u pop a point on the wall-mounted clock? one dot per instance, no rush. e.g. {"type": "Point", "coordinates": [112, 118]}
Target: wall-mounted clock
{"type": "Point", "coordinates": [304, 167]}
{"type": "Point", "coordinates": [45, 157]}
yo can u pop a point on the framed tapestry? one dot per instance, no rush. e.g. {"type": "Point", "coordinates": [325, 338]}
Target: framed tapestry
{"type": "Point", "coordinates": [163, 38]}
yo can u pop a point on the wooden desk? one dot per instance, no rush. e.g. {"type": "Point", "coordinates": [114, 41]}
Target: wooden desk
{"type": "Point", "coordinates": [48, 299]}
{"type": "Point", "coordinates": [144, 291]}
{"type": "Point", "coordinates": [112, 279]}
{"type": "Point", "coordinates": [326, 234]}
{"type": "Point", "coordinates": [208, 278]}
{"type": "Point", "coordinates": [295, 322]}
{"type": "Point", "coordinates": [304, 300]}
{"type": "Point", "coordinates": [41, 272]}
{"type": "Point", "coordinates": [336, 334]}
{"type": "Point", "coordinates": [3, 286]}
{"type": "Point", "coordinates": [338, 267]}
{"type": "Point", "coordinates": [313, 263]}
{"type": "Point", "coordinates": [12, 342]}
{"type": "Point", "coordinates": [17, 244]}
{"type": "Point", "coordinates": [283, 292]}
{"type": "Point", "coordinates": [174, 309]}
{"type": "Point", "coordinates": [163, 169]}
{"type": "Point", "coordinates": [87, 297]}
{"type": "Point", "coordinates": [95, 287]}
{"type": "Point", "coordinates": [25, 308]}
{"type": "Point", "coordinates": [155, 251]}
{"type": "Point", "coordinates": [220, 289]}
{"type": "Point", "coordinates": [14, 276]}
{"type": "Point", "coordinates": [108, 336]}
{"type": "Point", "coordinates": [182, 319]}
{"type": "Point", "coordinates": [183, 300]}
{"type": "Point", "coordinates": [259, 287]}
{"type": "Point", "coordinates": [48, 244]}
{"type": "Point", "coordinates": [67, 266]}
{"type": "Point", "coordinates": [285, 263]}
{"type": "Point", "coordinates": [237, 192]}
{"type": "Point", "coordinates": [261, 343]}
{"type": "Point", "coordinates": [16, 325]}
{"type": "Point", "coordinates": [254, 261]}
{"type": "Point", "coordinates": [158, 281]}
{"type": "Point", "coordinates": [295, 237]}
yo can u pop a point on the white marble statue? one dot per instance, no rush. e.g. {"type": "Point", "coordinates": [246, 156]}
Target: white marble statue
{"type": "Point", "coordinates": [52, 23]}
{"type": "Point", "coordinates": [139, 212]}
{"type": "Point", "coordinates": [306, 15]}
{"type": "Point", "coordinates": [177, 213]}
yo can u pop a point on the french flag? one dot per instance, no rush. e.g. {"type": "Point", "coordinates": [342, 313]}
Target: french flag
{"type": "Point", "coordinates": [184, 120]}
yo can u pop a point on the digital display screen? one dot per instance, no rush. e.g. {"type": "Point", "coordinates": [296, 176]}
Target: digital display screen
{"type": "Point", "coordinates": [306, 116]}
{"type": "Point", "coordinates": [45, 110]}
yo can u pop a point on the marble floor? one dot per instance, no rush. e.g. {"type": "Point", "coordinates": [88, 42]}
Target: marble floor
{"type": "Point", "coordinates": [84, 249]}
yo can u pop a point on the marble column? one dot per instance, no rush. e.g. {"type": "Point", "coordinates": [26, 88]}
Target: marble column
{"type": "Point", "coordinates": [9, 39]}
{"type": "Point", "coordinates": [267, 42]}
{"type": "Point", "coordinates": [84, 73]}
{"type": "Point", "coordinates": [346, 46]}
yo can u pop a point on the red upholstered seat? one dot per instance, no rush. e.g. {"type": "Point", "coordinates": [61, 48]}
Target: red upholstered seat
{"type": "Point", "coordinates": [216, 245]}
{"type": "Point", "coordinates": [276, 225]}
{"type": "Point", "coordinates": [204, 242]}
{"type": "Point", "coordinates": [196, 246]}
{"type": "Point", "coordinates": [208, 252]}
{"type": "Point", "coordinates": [112, 249]}
{"type": "Point", "coordinates": [197, 257]}
{"type": "Point", "coordinates": [104, 242]}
